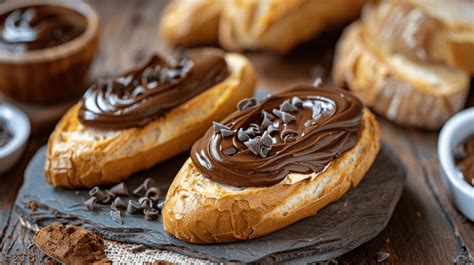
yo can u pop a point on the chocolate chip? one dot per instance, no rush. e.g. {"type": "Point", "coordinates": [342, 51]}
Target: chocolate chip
{"type": "Point", "coordinates": [287, 132]}
{"type": "Point", "coordinates": [97, 193]}
{"type": "Point", "coordinates": [246, 103]}
{"type": "Point", "coordinates": [267, 115]}
{"type": "Point", "coordinates": [226, 133]}
{"type": "Point", "coordinates": [277, 112]}
{"type": "Point", "coordinates": [316, 111]}
{"type": "Point", "coordinates": [151, 214]}
{"type": "Point", "coordinates": [112, 195]}
{"type": "Point", "coordinates": [242, 136]}
{"type": "Point", "coordinates": [145, 202]}
{"type": "Point", "coordinates": [296, 101]}
{"type": "Point", "coordinates": [153, 193]}
{"type": "Point", "coordinates": [286, 106]}
{"type": "Point", "coordinates": [229, 151]}
{"type": "Point", "coordinates": [265, 123]}
{"type": "Point", "coordinates": [274, 127]}
{"type": "Point", "coordinates": [140, 190]}
{"type": "Point", "coordinates": [149, 183]}
{"type": "Point", "coordinates": [266, 141]}
{"type": "Point", "coordinates": [289, 139]}
{"type": "Point", "coordinates": [264, 152]}
{"type": "Point", "coordinates": [218, 127]}
{"type": "Point", "coordinates": [382, 256]}
{"type": "Point", "coordinates": [108, 199]}
{"type": "Point", "coordinates": [119, 203]}
{"type": "Point", "coordinates": [116, 216]}
{"type": "Point", "coordinates": [253, 129]}
{"type": "Point", "coordinates": [254, 145]}
{"type": "Point", "coordinates": [120, 189]}
{"type": "Point", "coordinates": [287, 118]}
{"type": "Point", "coordinates": [307, 104]}
{"type": "Point", "coordinates": [133, 207]}
{"type": "Point", "coordinates": [91, 203]}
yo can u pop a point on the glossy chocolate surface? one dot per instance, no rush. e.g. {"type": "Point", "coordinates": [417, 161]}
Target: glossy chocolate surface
{"type": "Point", "coordinates": [137, 97]}
{"type": "Point", "coordinates": [39, 27]}
{"type": "Point", "coordinates": [298, 131]}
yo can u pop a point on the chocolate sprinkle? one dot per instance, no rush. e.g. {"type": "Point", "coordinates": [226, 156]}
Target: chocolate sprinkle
{"type": "Point", "coordinates": [145, 203]}
{"type": "Point", "coordinates": [120, 189]}
{"type": "Point", "coordinates": [218, 127]}
{"type": "Point", "coordinates": [133, 207]}
{"type": "Point", "coordinates": [266, 141]}
{"type": "Point", "coordinates": [254, 145]}
{"type": "Point", "coordinates": [119, 203]}
{"type": "Point", "coordinates": [116, 216]}
{"type": "Point", "coordinates": [151, 214]}
{"type": "Point", "coordinates": [91, 203]}
{"type": "Point", "coordinates": [246, 103]}
{"type": "Point", "coordinates": [107, 199]}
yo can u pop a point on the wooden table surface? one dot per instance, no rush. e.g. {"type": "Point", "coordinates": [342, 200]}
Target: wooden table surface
{"type": "Point", "coordinates": [425, 227]}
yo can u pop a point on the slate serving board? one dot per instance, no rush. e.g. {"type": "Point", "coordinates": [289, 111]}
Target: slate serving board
{"type": "Point", "coordinates": [338, 228]}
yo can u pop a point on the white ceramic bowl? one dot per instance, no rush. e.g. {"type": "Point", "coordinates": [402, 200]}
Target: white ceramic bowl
{"type": "Point", "coordinates": [454, 133]}
{"type": "Point", "coordinates": [19, 126]}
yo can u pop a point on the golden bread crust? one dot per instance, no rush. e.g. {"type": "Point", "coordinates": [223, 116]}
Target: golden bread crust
{"type": "Point", "coordinates": [199, 210]}
{"type": "Point", "coordinates": [79, 156]}
{"type": "Point", "coordinates": [407, 92]}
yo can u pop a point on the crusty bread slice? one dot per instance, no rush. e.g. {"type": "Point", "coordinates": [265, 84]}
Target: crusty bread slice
{"type": "Point", "coordinates": [190, 22]}
{"type": "Point", "coordinates": [280, 25]}
{"type": "Point", "coordinates": [407, 92]}
{"type": "Point", "coordinates": [427, 31]}
{"type": "Point", "coordinates": [199, 210]}
{"type": "Point", "coordinates": [79, 156]}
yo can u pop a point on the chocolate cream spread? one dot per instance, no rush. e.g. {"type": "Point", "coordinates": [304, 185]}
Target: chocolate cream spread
{"type": "Point", "coordinates": [465, 160]}
{"type": "Point", "coordinates": [39, 27]}
{"type": "Point", "coordinates": [137, 97]}
{"type": "Point", "coordinates": [298, 131]}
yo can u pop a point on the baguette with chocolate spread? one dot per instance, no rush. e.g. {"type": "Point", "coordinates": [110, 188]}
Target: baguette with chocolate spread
{"type": "Point", "coordinates": [131, 122]}
{"type": "Point", "coordinates": [270, 164]}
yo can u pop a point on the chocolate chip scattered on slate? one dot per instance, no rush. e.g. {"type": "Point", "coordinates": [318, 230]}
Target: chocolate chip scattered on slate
{"type": "Point", "coordinates": [265, 123]}
{"type": "Point", "coordinates": [145, 202]}
{"type": "Point", "coordinates": [382, 256]}
{"type": "Point", "coordinates": [151, 214]}
{"type": "Point", "coordinates": [316, 108]}
{"type": "Point", "coordinates": [91, 203]}
{"type": "Point", "coordinates": [307, 104]}
{"type": "Point", "coordinates": [113, 195]}
{"type": "Point", "coordinates": [254, 145]}
{"type": "Point", "coordinates": [286, 106]}
{"type": "Point", "coordinates": [140, 190]}
{"type": "Point", "coordinates": [116, 216]}
{"type": "Point", "coordinates": [149, 183]}
{"type": "Point", "coordinates": [266, 141]}
{"type": "Point", "coordinates": [97, 193]}
{"type": "Point", "coordinates": [287, 118]}
{"type": "Point", "coordinates": [153, 193]}
{"type": "Point", "coordinates": [246, 103]}
{"type": "Point", "coordinates": [120, 189]}
{"type": "Point", "coordinates": [296, 101]}
{"type": "Point", "coordinates": [229, 151]}
{"type": "Point", "coordinates": [218, 127]}
{"type": "Point", "coordinates": [119, 203]}
{"type": "Point", "coordinates": [242, 135]}
{"type": "Point", "coordinates": [133, 207]}
{"type": "Point", "coordinates": [107, 199]}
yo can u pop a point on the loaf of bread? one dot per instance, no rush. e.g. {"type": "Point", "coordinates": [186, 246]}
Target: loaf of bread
{"type": "Point", "coordinates": [80, 156]}
{"type": "Point", "coordinates": [200, 210]}
{"type": "Point", "coordinates": [191, 23]}
{"type": "Point", "coordinates": [403, 90]}
{"type": "Point", "coordinates": [427, 31]}
{"type": "Point", "coordinates": [272, 25]}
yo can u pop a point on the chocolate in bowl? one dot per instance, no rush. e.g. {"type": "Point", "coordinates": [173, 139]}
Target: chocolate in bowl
{"type": "Point", "coordinates": [39, 27]}
{"type": "Point", "coordinates": [5, 134]}
{"type": "Point", "coordinates": [46, 48]}
{"type": "Point", "coordinates": [464, 157]}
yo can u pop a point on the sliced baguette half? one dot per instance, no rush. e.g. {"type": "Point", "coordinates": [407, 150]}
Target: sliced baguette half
{"type": "Point", "coordinates": [427, 31]}
{"type": "Point", "coordinates": [402, 90]}
{"type": "Point", "coordinates": [79, 156]}
{"type": "Point", "coordinates": [199, 210]}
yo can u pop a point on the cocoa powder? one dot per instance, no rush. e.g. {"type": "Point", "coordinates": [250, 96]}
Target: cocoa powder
{"type": "Point", "coordinates": [71, 244]}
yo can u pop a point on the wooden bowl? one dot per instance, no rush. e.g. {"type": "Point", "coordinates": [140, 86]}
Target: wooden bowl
{"type": "Point", "coordinates": [54, 73]}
